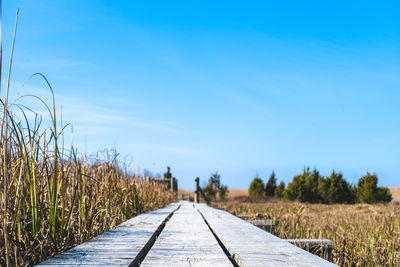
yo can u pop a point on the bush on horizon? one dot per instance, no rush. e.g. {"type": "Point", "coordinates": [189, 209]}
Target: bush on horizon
{"type": "Point", "coordinates": [270, 187]}
{"type": "Point", "coordinates": [311, 187]}
{"type": "Point", "coordinates": [367, 190]}
{"type": "Point", "coordinates": [279, 190]}
{"type": "Point", "coordinates": [335, 189]}
{"type": "Point", "coordinates": [256, 187]}
{"type": "Point", "coordinates": [214, 188]}
{"type": "Point", "coordinates": [304, 187]}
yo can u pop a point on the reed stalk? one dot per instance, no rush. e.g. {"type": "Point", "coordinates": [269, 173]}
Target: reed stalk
{"type": "Point", "coordinates": [52, 198]}
{"type": "Point", "coordinates": [362, 234]}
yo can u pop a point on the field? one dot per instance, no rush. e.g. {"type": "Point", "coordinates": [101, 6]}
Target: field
{"type": "Point", "coordinates": [53, 198]}
{"type": "Point", "coordinates": [90, 199]}
{"type": "Point", "coordinates": [395, 194]}
{"type": "Point", "coordinates": [362, 235]}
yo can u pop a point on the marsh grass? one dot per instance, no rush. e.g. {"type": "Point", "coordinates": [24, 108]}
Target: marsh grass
{"type": "Point", "coordinates": [52, 198]}
{"type": "Point", "coordinates": [362, 234]}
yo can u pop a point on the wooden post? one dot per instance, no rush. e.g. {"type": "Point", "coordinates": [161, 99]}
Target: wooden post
{"type": "Point", "coordinates": [196, 197]}
{"type": "Point", "coordinates": [204, 196]}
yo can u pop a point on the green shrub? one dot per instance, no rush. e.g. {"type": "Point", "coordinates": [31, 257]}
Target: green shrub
{"type": "Point", "coordinates": [168, 177]}
{"type": "Point", "coordinates": [214, 188]}
{"type": "Point", "coordinates": [222, 192]}
{"type": "Point", "coordinates": [334, 189]}
{"type": "Point", "coordinates": [367, 190]}
{"type": "Point", "coordinates": [271, 185]}
{"type": "Point", "coordinates": [384, 194]}
{"type": "Point", "coordinates": [279, 190]}
{"type": "Point", "coordinates": [313, 188]}
{"type": "Point", "coordinates": [304, 187]}
{"type": "Point", "coordinates": [256, 187]}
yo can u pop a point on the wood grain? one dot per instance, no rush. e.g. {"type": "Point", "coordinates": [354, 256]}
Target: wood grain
{"type": "Point", "coordinates": [189, 238]}
{"type": "Point", "coordinates": [117, 247]}
{"type": "Point", "coordinates": [253, 247]}
{"type": "Point", "coordinates": [186, 241]}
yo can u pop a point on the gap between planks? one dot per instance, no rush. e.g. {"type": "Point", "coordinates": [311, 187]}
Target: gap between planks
{"type": "Point", "coordinates": [218, 238]}
{"type": "Point", "coordinates": [145, 250]}
{"type": "Point", "coordinates": [124, 245]}
{"type": "Point", "coordinates": [187, 240]}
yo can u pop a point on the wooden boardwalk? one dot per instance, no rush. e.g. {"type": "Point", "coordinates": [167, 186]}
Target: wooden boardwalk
{"type": "Point", "coordinates": [186, 234]}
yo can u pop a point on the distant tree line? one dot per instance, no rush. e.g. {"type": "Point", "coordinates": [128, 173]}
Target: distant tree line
{"type": "Point", "coordinates": [311, 187]}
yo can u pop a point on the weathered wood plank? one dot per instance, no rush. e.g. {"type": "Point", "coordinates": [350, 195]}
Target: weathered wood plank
{"type": "Point", "coordinates": [186, 241]}
{"type": "Point", "coordinates": [253, 247]}
{"type": "Point", "coordinates": [117, 247]}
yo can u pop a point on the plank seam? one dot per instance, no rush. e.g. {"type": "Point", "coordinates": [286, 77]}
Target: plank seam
{"type": "Point", "coordinates": [149, 244]}
{"type": "Point", "coordinates": [224, 249]}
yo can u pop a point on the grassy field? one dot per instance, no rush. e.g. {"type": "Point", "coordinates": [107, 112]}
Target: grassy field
{"type": "Point", "coordinates": [88, 199]}
{"type": "Point", "coordinates": [362, 235]}
{"type": "Point", "coordinates": [395, 194]}
{"type": "Point", "coordinates": [52, 198]}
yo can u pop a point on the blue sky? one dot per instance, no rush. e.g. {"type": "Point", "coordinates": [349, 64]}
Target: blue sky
{"type": "Point", "coordinates": [238, 87]}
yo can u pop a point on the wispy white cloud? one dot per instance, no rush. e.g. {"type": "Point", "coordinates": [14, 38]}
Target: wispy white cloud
{"type": "Point", "coordinates": [95, 115]}
{"type": "Point", "coordinates": [89, 116]}
{"type": "Point", "coordinates": [54, 63]}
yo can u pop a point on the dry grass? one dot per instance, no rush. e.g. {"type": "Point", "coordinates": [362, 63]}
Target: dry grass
{"type": "Point", "coordinates": [52, 201]}
{"type": "Point", "coordinates": [52, 198]}
{"type": "Point", "coordinates": [185, 192]}
{"type": "Point", "coordinates": [395, 193]}
{"type": "Point", "coordinates": [363, 235]}
{"type": "Point", "coordinates": [232, 193]}
{"type": "Point", "coordinates": [237, 192]}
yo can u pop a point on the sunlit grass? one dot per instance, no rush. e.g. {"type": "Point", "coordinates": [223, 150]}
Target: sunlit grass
{"type": "Point", "coordinates": [53, 198]}
{"type": "Point", "coordinates": [362, 234]}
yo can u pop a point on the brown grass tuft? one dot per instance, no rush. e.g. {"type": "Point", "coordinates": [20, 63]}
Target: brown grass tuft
{"type": "Point", "coordinates": [52, 198]}
{"type": "Point", "coordinates": [362, 234]}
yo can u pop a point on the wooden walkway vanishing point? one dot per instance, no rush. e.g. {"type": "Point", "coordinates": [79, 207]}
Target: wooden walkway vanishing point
{"type": "Point", "coordinates": [186, 234]}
